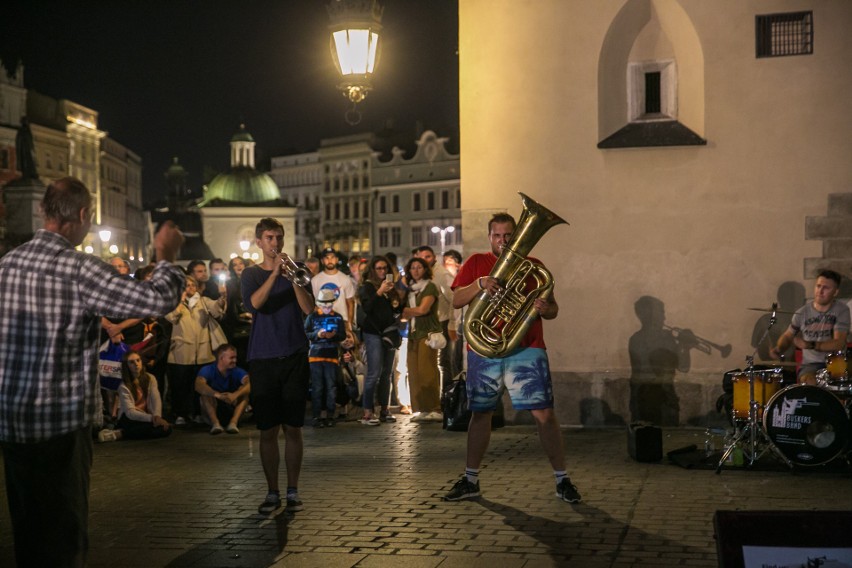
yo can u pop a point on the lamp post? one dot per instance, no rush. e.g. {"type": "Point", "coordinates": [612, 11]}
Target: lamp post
{"type": "Point", "coordinates": [105, 235]}
{"type": "Point", "coordinates": [443, 232]}
{"type": "Point", "coordinates": [244, 245]}
{"type": "Point", "coordinates": [355, 47]}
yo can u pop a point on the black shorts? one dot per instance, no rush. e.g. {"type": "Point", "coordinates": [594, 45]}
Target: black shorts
{"type": "Point", "coordinates": [279, 390]}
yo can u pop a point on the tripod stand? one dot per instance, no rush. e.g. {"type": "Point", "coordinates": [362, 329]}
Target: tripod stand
{"type": "Point", "coordinates": [752, 432]}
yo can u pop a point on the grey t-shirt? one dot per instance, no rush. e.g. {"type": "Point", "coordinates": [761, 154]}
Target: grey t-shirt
{"type": "Point", "coordinates": [819, 326]}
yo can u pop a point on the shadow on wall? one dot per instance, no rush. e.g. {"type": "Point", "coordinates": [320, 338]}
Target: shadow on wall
{"type": "Point", "coordinates": [791, 297]}
{"type": "Point", "coordinates": [657, 352]}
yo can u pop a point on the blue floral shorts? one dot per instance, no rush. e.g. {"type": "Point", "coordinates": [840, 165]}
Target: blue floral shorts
{"type": "Point", "coordinates": [525, 374]}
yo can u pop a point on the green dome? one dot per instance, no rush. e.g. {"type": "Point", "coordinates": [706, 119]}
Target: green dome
{"type": "Point", "coordinates": [242, 185]}
{"type": "Point", "coordinates": [242, 135]}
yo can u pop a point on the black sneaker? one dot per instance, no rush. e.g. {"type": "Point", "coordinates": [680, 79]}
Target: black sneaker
{"type": "Point", "coordinates": [270, 504]}
{"type": "Point", "coordinates": [318, 423]}
{"type": "Point", "coordinates": [293, 505]}
{"type": "Point", "coordinates": [387, 417]}
{"type": "Point", "coordinates": [568, 492]}
{"type": "Point", "coordinates": [330, 422]}
{"type": "Point", "coordinates": [463, 489]}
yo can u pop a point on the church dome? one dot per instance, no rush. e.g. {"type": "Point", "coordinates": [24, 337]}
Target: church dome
{"type": "Point", "coordinates": [242, 185]}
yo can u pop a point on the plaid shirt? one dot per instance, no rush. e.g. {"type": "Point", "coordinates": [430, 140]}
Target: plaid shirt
{"type": "Point", "coordinates": [51, 300]}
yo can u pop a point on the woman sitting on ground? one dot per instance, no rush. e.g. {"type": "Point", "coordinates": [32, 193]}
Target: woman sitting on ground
{"type": "Point", "coordinates": [140, 414]}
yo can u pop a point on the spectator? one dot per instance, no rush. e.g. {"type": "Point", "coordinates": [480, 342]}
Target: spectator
{"type": "Point", "coordinates": [452, 263]}
{"type": "Point", "coordinates": [325, 330]}
{"type": "Point", "coordinates": [381, 306]}
{"type": "Point", "coordinates": [216, 286]}
{"type": "Point", "coordinates": [224, 390]}
{"type": "Point", "coordinates": [141, 414]}
{"type": "Point", "coordinates": [237, 320]}
{"type": "Point", "coordinates": [443, 281]}
{"type": "Point", "coordinates": [189, 347]}
{"type": "Point", "coordinates": [121, 265]}
{"type": "Point", "coordinates": [422, 314]}
{"type": "Point", "coordinates": [198, 270]}
{"type": "Point", "coordinates": [339, 284]}
{"type": "Point", "coordinates": [313, 265]}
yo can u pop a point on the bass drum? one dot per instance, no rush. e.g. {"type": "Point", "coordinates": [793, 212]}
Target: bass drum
{"type": "Point", "coordinates": [807, 424]}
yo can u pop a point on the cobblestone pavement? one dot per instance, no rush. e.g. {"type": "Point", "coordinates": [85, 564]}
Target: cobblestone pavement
{"type": "Point", "coordinates": [372, 498]}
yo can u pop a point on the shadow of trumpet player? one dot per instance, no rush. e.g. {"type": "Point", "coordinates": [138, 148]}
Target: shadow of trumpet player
{"type": "Point", "coordinates": [657, 353]}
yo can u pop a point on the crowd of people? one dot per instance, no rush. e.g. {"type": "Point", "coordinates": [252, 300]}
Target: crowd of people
{"type": "Point", "coordinates": [371, 336]}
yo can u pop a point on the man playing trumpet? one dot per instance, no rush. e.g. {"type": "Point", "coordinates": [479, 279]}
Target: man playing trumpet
{"type": "Point", "coordinates": [486, 376]}
{"type": "Point", "coordinates": [278, 360]}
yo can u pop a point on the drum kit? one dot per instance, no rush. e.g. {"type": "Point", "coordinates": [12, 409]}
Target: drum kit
{"type": "Point", "coordinates": [804, 424]}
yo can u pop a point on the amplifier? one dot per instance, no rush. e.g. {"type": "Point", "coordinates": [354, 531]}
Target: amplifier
{"type": "Point", "coordinates": [644, 442]}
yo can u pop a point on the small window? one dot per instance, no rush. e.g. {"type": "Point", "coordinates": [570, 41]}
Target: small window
{"type": "Point", "coordinates": [416, 204]}
{"type": "Point", "coordinates": [395, 204]}
{"type": "Point", "coordinates": [445, 199]}
{"type": "Point", "coordinates": [416, 236]}
{"type": "Point", "coordinates": [383, 236]}
{"type": "Point", "coordinates": [652, 92]}
{"type": "Point", "coordinates": [430, 200]}
{"type": "Point", "coordinates": [383, 205]}
{"type": "Point", "coordinates": [784, 34]}
{"type": "Point", "coordinates": [396, 236]}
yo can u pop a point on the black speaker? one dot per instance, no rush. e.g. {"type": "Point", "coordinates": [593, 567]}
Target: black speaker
{"type": "Point", "coordinates": [644, 442]}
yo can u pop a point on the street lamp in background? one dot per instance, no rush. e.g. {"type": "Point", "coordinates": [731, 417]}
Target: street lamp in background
{"type": "Point", "coordinates": [443, 232]}
{"type": "Point", "coordinates": [244, 245]}
{"type": "Point", "coordinates": [355, 47]}
{"type": "Point", "coordinates": [105, 235]}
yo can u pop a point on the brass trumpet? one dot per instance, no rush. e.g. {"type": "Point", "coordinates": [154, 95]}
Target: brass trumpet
{"type": "Point", "coordinates": [296, 274]}
{"type": "Point", "coordinates": [703, 345]}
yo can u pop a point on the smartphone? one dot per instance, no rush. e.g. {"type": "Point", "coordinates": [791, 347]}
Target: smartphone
{"type": "Point", "coordinates": [389, 278]}
{"type": "Point", "coordinates": [222, 277]}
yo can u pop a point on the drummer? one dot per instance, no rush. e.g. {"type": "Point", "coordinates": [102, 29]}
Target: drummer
{"type": "Point", "coordinates": [818, 328]}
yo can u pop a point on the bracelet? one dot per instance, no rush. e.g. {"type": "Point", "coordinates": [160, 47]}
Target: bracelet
{"type": "Point", "coordinates": [479, 283]}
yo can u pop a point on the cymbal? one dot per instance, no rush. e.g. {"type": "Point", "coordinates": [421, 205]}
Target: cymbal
{"type": "Point", "coordinates": [770, 310]}
{"type": "Point", "coordinates": [776, 363]}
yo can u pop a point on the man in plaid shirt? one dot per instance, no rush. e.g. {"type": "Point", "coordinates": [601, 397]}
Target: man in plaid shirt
{"type": "Point", "coordinates": [52, 298]}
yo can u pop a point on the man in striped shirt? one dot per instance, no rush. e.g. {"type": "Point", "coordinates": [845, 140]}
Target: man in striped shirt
{"type": "Point", "coordinates": [52, 298]}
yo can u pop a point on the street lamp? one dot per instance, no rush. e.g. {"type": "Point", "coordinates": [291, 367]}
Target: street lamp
{"type": "Point", "coordinates": [244, 245]}
{"type": "Point", "coordinates": [443, 232]}
{"type": "Point", "coordinates": [355, 48]}
{"type": "Point", "coordinates": [104, 234]}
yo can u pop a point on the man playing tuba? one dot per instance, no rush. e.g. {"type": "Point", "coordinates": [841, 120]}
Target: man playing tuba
{"type": "Point", "coordinates": [524, 371]}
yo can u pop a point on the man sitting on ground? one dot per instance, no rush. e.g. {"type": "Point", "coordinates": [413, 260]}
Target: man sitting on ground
{"type": "Point", "coordinates": [224, 390]}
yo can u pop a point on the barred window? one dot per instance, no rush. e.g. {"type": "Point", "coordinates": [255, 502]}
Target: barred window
{"type": "Point", "coordinates": [784, 34]}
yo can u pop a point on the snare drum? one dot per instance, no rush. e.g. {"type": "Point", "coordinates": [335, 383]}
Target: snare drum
{"type": "Point", "coordinates": [835, 364]}
{"type": "Point", "coordinates": [766, 383]}
{"type": "Point", "coordinates": [807, 424]}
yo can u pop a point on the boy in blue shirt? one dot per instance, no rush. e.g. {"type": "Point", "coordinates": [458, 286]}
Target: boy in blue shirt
{"type": "Point", "coordinates": [325, 329]}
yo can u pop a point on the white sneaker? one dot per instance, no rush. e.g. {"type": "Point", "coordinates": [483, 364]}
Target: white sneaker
{"type": "Point", "coordinates": [418, 417]}
{"type": "Point", "coordinates": [180, 421]}
{"type": "Point", "coordinates": [434, 417]}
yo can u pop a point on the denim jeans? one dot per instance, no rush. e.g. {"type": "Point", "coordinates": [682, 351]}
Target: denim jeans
{"type": "Point", "coordinates": [379, 369]}
{"type": "Point", "coordinates": [323, 380]}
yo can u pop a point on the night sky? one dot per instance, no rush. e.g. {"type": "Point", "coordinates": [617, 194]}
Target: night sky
{"type": "Point", "coordinates": [177, 77]}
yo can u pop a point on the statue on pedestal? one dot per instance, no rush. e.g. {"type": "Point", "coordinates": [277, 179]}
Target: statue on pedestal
{"type": "Point", "coordinates": [25, 151]}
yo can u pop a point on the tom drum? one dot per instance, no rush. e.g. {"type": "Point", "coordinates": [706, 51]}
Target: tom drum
{"type": "Point", "coordinates": [766, 383]}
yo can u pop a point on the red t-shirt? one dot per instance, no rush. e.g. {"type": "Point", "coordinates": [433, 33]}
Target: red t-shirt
{"type": "Point", "coordinates": [480, 264]}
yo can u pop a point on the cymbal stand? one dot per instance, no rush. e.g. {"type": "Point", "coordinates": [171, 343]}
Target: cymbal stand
{"type": "Point", "coordinates": [752, 426]}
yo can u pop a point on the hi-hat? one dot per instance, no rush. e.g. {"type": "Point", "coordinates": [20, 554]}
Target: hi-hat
{"type": "Point", "coordinates": [770, 310]}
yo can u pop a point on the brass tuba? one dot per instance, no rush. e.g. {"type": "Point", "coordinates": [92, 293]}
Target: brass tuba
{"type": "Point", "coordinates": [496, 325]}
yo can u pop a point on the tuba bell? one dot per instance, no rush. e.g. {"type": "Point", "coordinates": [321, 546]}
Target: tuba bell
{"type": "Point", "coordinates": [496, 325]}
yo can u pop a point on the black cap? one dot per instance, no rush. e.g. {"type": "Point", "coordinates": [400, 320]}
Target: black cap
{"type": "Point", "coordinates": [328, 250]}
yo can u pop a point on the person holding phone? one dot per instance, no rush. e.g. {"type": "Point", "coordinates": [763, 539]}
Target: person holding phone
{"type": "Point", "coordinates": [325, 331]}
{"type": "Point", "coordinates": [381, 305]}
